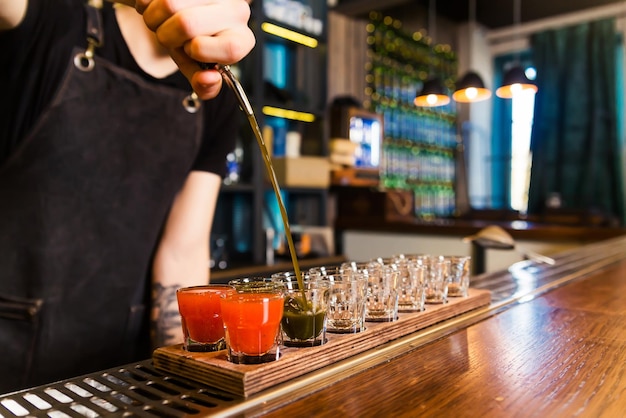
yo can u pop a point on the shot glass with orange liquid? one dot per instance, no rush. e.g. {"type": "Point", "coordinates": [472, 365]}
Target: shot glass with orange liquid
{"type": "Point", "coordinates": [201, 318]}
{"type": "Point", "coordinates": [252, 316]}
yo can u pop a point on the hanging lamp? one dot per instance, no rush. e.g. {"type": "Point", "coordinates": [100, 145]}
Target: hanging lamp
{"type": "Point", "coordinates": [432, 93]}
{"type": "Point", "coordinates": [471, 87]}
{"type": "Point", "coordinates": [515, 79]}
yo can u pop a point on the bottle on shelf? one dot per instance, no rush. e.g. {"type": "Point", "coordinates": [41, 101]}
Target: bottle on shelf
{"type": "Point", "coordinates": [418, 145]}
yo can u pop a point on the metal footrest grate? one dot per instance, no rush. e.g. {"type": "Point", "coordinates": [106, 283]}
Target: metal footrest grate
{"type": "Point", "coordinates": [136, 390]}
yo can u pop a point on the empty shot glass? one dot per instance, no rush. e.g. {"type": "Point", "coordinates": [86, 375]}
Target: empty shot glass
{"type": "Point", "coordinates": [201, 318]}
{"type": "Point", "coordinates": [435, 278]}
{"type": "Point", "coordinates": [346, 305]}
{"type": "Point", "coordinates": [305, 309]}
{"type": "Point", "coordinates": [411, 287]}
{"type": "Point", "coordinates": [381, 299]}
{"type": "Point", "coordinates": [458, 275]}
{"type": "Point", "coordinates": [252, 316]}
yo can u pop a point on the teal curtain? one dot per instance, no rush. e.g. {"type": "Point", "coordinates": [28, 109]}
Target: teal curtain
{"type": "Point", "coordinates": [575, 145]}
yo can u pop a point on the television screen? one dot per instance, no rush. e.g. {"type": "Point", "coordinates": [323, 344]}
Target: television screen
{"type": "Point", "coordinates": [366, 132]}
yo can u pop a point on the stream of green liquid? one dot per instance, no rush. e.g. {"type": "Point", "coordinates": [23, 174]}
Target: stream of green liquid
{"type": "Point", "coordinates": [234, 84]}
{"type": "Point", "coordinates": [267, 159]}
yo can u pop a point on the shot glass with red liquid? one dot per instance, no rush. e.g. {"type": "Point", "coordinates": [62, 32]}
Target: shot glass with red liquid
{"type": "Point", "coordinates": [252, 316]}
{"type": "Point", "coordinates": [201, 317]}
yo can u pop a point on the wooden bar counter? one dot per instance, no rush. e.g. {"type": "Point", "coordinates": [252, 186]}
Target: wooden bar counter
{"type": "Point", "coordinates": [552, 343]}
{"type": "Point", "coordinates": [560, 355]}
{"type": "Point", "coordinates": [556, 349]}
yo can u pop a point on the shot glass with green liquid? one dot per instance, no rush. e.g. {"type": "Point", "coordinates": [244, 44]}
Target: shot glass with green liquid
{"type": "Point", "coordinates": [305, 309]}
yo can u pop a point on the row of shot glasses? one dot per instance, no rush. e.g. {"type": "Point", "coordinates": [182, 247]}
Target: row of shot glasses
{"type": "Point", "coordinates": [252, 317]}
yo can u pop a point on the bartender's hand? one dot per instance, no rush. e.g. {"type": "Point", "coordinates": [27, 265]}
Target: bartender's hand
{"type": "Point", "coordinates": [214, 31]}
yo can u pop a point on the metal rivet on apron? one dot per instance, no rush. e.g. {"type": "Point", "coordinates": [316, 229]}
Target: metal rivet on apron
{"type": "Point", "coordinates": [192, 103]}
{"type": "Point", "coordinates": [83, 62]}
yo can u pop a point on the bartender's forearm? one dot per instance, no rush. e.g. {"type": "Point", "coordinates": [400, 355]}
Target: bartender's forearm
{"type": "Point", "coordinates": [171, 273]}
{"type": "Point", "coordinates": [182, 258]}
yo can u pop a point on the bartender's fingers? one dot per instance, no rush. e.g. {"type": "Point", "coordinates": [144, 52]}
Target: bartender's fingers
{"type": "Point", "coordinates": [155, 12]}
{"type": "Point", "coordinates": [142, 5]}
{"type": "Point", "coordinates": [229, 39]}
{"type": "Point", "coordinates": [206, 83]}
{"type": "Point", "coordinates": [177, 21]}
{"type": "Point", "coordinates": [228, 47]}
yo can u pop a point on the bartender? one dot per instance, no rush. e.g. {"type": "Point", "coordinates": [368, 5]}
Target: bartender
{"type": "Point", "coordinates": [112, 147]}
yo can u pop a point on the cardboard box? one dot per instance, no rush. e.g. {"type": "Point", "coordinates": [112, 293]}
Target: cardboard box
{"type": "Point", "coordinates": [304, 171]}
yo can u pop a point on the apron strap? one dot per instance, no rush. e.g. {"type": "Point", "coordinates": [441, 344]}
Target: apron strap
{"type": "Point", "coordinates": [95, 33]}
{"type": "Point", "coordinates": [95, 36]}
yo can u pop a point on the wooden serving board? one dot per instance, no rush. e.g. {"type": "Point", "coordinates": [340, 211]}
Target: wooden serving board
{"type": "Point", "coordinates": [214, 369]}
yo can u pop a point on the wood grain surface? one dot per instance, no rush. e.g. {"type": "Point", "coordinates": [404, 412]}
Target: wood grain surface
{"type": "Point", "coordinates": [562, 354]}
{"type": "Point", "coordinates": [214, 369]}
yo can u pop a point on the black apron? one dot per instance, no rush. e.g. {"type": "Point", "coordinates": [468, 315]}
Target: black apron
{"type": "Point", "coordinates": [82, 204]}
